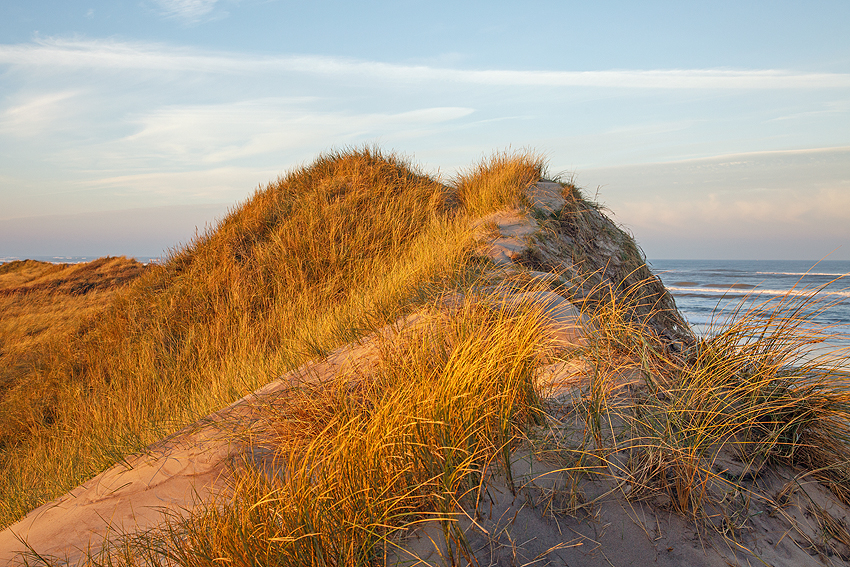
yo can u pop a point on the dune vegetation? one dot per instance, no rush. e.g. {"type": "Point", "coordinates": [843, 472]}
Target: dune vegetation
{"type": "Point", "coordinates": [339, 249]}
{"type": "Point", "coordinates": [370, 454]}
{"type": "Point", "coordinates": [39, 300]}
{"type": "Point", "coordinates": [421, 438]}
{"type": "Point", "coordinates": [42, 304]}
{"type": "Point", "coordinates": [319, 257]}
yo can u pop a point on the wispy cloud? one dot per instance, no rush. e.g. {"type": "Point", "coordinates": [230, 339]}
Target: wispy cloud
{"type": "Point", "coordinates": [219, 184]}
{"type": "Point", "coordinates": [127, 55]}
{"type": "Point", "coordinates": [245, 134]}
{"type": "Point", "coordinates": [187, 10]}
{"type": "Point", "coordinates": [223, 133]}
{"type": "Point", "coordinates": [33, 115]}
{"type": "Point", "coordinates": [833, 108]}
{"type": "Point", "coordinates": [741, 158]}
{"type": "Point", "coordinates": [226, 133]}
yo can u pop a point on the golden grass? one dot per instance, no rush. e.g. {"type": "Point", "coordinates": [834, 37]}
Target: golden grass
{"type": "Point", "coordinates": [336, 250]}
{"type": "Point", "coordinates": [499, 182]}
{"type": "Point", "coordinates": [42, 303]}
{"type": "Point", "coordinates": [32, 319]}
{"type": "Point", "coordinates": [39, 300]}
{"type": "Point", "coordinates": [322, 255]}
{"type": "Point", "coordinates": [417, 435]}
{"type": "Point", "coordinates": [29, 276]}
{"type": "Point", "coordinates": [364, 457]}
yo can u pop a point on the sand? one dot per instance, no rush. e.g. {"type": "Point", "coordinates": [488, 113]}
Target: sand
{"type": "Point", "coordinates": [548, 520]}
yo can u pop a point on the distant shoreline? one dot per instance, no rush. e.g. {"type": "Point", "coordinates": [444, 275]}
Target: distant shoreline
{"type": "Point", "coordinates": [78, 259]}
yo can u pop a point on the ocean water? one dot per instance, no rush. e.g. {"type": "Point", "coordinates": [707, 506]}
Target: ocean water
{"type": "Point", "coordinates": [707, 292]}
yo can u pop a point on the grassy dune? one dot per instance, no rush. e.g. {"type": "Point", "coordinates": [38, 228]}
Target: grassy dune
{"type": "Point", "coordinates": [320, 256]}
{"type": "Point", "coordinates": [421, 435]}
{"type": "Point", "coordinates": [42, 304]}
{"type": "Point", "coordinates": [40, 300]}
{"type": "Point", "coordinates": [369, 455]}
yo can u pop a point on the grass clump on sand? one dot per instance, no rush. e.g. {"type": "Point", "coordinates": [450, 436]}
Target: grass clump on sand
{"type": "Point", "coordinates": [700, 425]}
{"type": "Point", "coordinates": [319, 257]}
{"type": "Point", "coordinates": [362, 458]}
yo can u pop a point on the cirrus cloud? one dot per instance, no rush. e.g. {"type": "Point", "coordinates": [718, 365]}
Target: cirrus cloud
{"type": "Point", "coordinates": [58, 52]}
{"type": "Point", "coordinates": [188, 10]}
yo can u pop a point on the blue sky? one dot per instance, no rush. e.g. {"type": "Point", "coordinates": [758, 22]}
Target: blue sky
{"type": "Point", "coordinates": [711, 130]}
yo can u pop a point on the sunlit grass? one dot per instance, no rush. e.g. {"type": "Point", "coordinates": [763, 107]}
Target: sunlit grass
{"type": "Point", "coordinates": [326, 253]}
{"type": "Point", "coordinates": [417, 434]}
{"type": "Point", "coordinates": [41, 305]}
{"type": "Point", "coordinates": [361, 458]}
{"type": "Point", "coordinates": [341, 248]}
{"type": "Point", "coordinates": [499, 182]}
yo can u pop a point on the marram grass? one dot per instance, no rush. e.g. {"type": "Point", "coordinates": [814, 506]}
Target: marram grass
{"type": "Point", "coordinates": [341, 248]}
{"type": "Point", "coordinates": [755, 386]}
{"type": "Point", "coordinates": [326, 253]}
{"type": "Point", "coordinates": [360, 459]}
{"type": "Point", "coordinates": [417, 435]}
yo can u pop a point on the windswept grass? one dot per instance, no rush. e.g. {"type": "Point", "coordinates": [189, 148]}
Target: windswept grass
{"type": "Point", "coordinates": [499, 182]}
{"type": "Point", "coordinates": [339, 249]}
{"type": "Point", "coordinates": [416, 436]}
{"type": "Point", "coordinates": [30, 276]}
{"type": "Point", "coordinates": [324, 254]}
{"type": "Point", "coordinates": [42, 303]}
{"type": "Point", "coordinates": [753, 390]}
{"type": "Point", "coordinates": [366, 456]}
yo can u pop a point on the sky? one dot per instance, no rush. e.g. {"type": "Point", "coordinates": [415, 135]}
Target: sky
{"type": "Point", "coordinates": [709, 129]}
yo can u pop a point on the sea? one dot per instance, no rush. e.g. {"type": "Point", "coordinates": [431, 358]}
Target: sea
{"type": "Point", "coordinates": [710, 292]}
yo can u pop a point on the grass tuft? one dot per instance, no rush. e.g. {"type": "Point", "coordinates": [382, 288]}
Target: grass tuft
{"type": "Point", "coordinates": [754, 389]}
{"type": "Point", "coordinates": [499, 182]}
